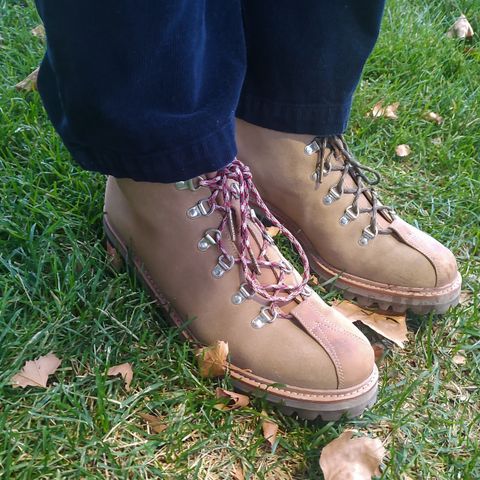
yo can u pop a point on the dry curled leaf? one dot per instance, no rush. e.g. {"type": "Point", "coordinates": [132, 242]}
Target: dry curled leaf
{"type": "Point", "coordinates": [154, 422]}
{"type": "Point", "coordinates": [347, 458]}
{"type": "Point", "coordinates": [235, 400]}
{"type": "Point", "coordinates": [273, 231]}
{"type": "Point", "coordinates": [269, 429]}
{"type": "Point", "coordinates": [212, 361]}
{"type": "Point", "coordinates": [125, 370]}
{"type": "Point", "coordinates": [391, 326]}
{"type": "Point", "coordinates": [28, 84]}
{"type": "Point", "coordinates": [390, 111]}
{"type": "Point", "coordinates": [403, 150]}
{"type": "Point", "coordinates": [461, 28]}
{"type": "Point", "coordinates": [35, 372]}
{"type": "Point", "coordinates": [38, 31]}
{"type": "Point", "coordinates": [433, 117]}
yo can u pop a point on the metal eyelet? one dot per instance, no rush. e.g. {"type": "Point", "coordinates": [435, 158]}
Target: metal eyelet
{"type": "Point", "coordinates": [242, 294]}
{"type": "Point", "coordinates": [224, 264]}
{"type": "Point", "coordinates": [349, 215]}
{"type": "Point", "coordinates": [332, 195]}
{"type": "Point", "coordinates": [311, 148]}
{"type": "Point", "coordinates": [189, 184]}
{"type": "Point", "coordinates": [203, 207]}
{"type": "Point", "coordinates": [266, 316]}
{"type": "Point", "coordinates": [211, 237]}
{"type": "Point", "coordinates": [367, 235]}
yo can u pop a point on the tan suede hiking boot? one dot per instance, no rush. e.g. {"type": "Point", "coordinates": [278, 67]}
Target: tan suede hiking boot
{"type": "Point", "coordinates": [326, 199]}
{"type": "Point", "coordinates": [216, 273]}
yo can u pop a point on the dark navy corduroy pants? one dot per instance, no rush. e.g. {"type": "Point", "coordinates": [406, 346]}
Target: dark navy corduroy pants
{"type": "Point", "coordinates": [149, 89]}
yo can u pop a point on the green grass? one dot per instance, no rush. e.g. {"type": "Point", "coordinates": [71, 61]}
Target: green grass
{"type": "Point", "coordinates": [57, 293]}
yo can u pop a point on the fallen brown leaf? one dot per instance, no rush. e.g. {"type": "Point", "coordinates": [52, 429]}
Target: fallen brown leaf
{"type": "Point", "coordinates": [313, 280]}
{"type": "Point", "coordinates": [28, 84]}
{"type": "Point", "coordinates": [391, 326]}
{"type": "Point", "coordinates": [390, 111]}
{"type": "Point", "coordinates": [237, 472]}
{"type": "Point", "coordinates": [38, 31]}
{"type": "Point", "coordinates": [379, 351]}
{"type": "Point", "coordinates": [269, 429]}
{"type": "Point", "coordinates": [212, 360]}
{"type": "Point", "coordinates": [461, 28]}
{"type": "Point", "coordinates": [347, 458]}
{"type": "Point", "coordinates": [403, 150]}
{"type": "Point", "coordinates": [125, 370]}
{"type": "Point", "coordinates": [35, 372]}
{"type": "Point", "coordinates": [235, 400]}
{"type": "Point", "coordinates": [433, 117]}
{"type": "Point", "coordinates": [459, 358]}
{"type": "Point", "coordinates": [273, 231]}
{"type": "Point", "coordinates": [154, 422]}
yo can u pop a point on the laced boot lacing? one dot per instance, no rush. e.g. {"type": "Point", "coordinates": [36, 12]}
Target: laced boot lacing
{"type": "Point", "coordinates": [334, 147]}
{"type": "Point", "coordinates": [234, 184]}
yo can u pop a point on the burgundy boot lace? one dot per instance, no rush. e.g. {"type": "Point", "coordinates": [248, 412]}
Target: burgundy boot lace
{"type": "Point", "coordinates": [233, 184]}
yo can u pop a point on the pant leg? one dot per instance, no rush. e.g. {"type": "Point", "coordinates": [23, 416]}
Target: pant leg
{"type": "Point", "coordinates": [305, 59]}
{"type": "Point", "coordinates": [145, 90]}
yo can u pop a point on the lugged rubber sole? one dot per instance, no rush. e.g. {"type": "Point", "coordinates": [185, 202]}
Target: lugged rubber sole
{"type": "Point", "coordinates": [329, 405]}
{"type": "Point", "coordinates": [373, 294]}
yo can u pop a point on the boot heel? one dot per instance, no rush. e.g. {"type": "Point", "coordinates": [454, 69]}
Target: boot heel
{"type": "Point", "coordinates": [114, 258]}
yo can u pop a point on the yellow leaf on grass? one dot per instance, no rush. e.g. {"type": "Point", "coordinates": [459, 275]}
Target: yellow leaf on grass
{"type": "Point", "coordinates": [273, 231]}
{"type": "Point", "coordinates": [390, 111]}
{"type": "Point", "coordinates": [154, 422]}
{"type": "Point", "coordinates": [347, 458]}
{"type": "Point", "coordinates": [38, 31]}
{"type": "Point", "coordinates": [461, 28]}
{"type": "Point", "coordinates": [28, 84]}
{"type": "Point", "coordinates": [403, 150]}
{"type": "Point", "coordinates": [433, 117]}
{"type": "Point", "coordinates": [235, 400]}
{"type": "Point", "coordinates": [212, 360]}
{"type": "Point", "coordinates": [391, 326]}
{"type": "Point", "coordinates": [125, 370]}
{"type": "Point", "coordinates": [35, 372]}
{"type": "Point", "coordinates": [269, 429]}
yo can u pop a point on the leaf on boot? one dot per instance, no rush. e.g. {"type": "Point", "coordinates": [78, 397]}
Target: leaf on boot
{"type": "Point", "coordinates": [35, 372]}
{"type": "Point", "coordinates": [391, 326]}
{"type": "Point", "coordinates": [125, 370]}
{"type": "Point", "coordinates": [38, 31]}
{"type": "Point", "coordinates": [273, 231]}
{"type": "Point", "coordinates": [347, 458]}
{"type": "Point", "coordinates": [461, 28]}
{"type": "Point", "coordinates": [154, 422]}
{"type": "Point", "coordinates": [28, 84]}
{"type": "Point", "coordinates": [433, 117]}
{"type": "Point", "coordinates": [390, 111]}
{"type": "Point", "coordinates": [269, 429]}
{"type": "Point", "coordinates": [403, 150]}
{"type": "Point", "coordinates": [212, 361]}
{"type": "Point", "coordinates": [235, 400]}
